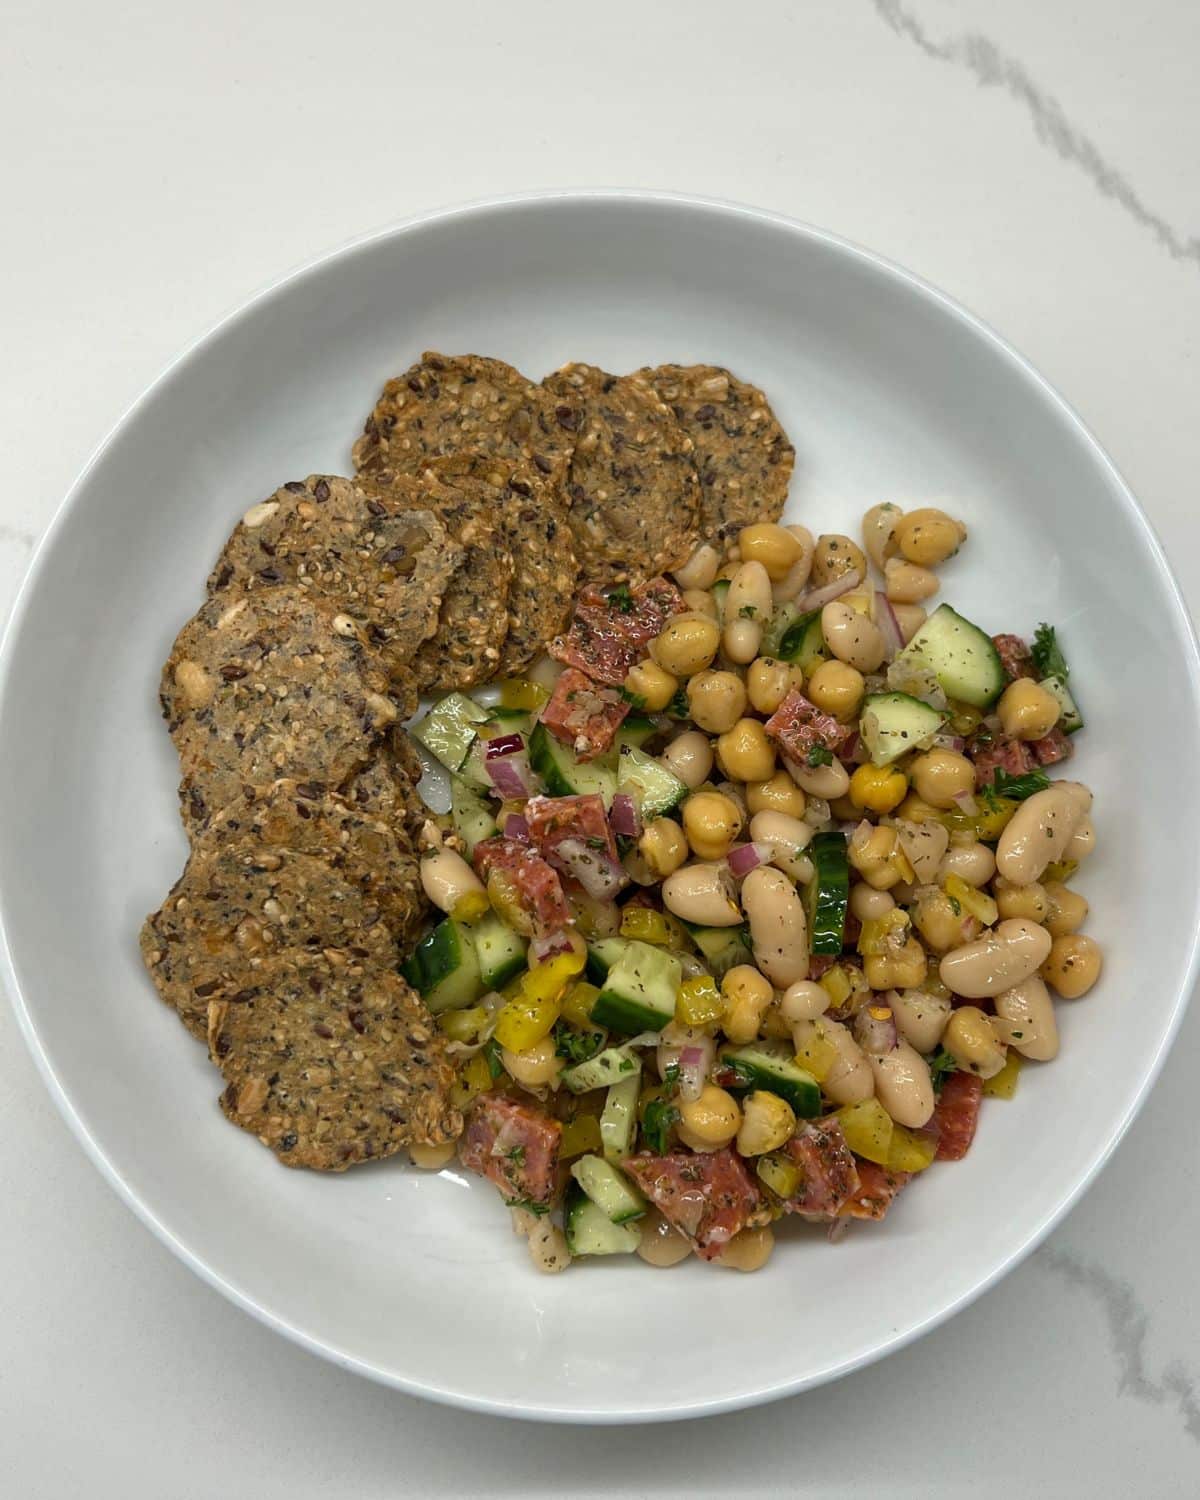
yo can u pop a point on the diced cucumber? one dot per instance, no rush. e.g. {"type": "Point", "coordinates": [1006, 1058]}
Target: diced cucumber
{"type": "Point", "coordinates": [781, 621]}
{"type": "Point", "coordinates": [639, 990]}
{"type": "Point", "coordinates": [894, 723]}
{"type": "Point", "coordinates": [828, 892]}
{"type": "Point", "coordinates": [635, 730]}
{"type": "Point", "coordinates": [473, 770]}
{"type": "Point", "coordinates": [500, 950]}
{"type": "Point", "coordinates": [722, 948]}
{"type": "Point", "coordinates": [563, 774]}
{"type": "Point", "coordinates": [655, 790]}
{"type": "Point", "coordinates": [1070, 719]}
{"type": "Point", "coordinates": [803, 644]}
{"type": "Point", "coordinates": [608, 1189]}
{"type": "Point", "coordinates": [601, 956]}
{"type": "Point", "coordinates": [719, 591]}
{"type": "Point", "coordinates": [444, 968]}
{"type": "Point", "coordinates": [756, 1068]}
{"type": "Point", "coordinates": [618, 1119]}
{"type": "Point", "coordinates": [501, 720]}
{"type": "Point", "coordinates": [599, 1072]}
{"type": "Point", "coordinates": [960, 655]}
{"type": "Point", "coordinates": [448, 730]}
{"type": "Point", "coordinates": [471, 815]}
{"type": "Point", "coordinates": [589, 1230]}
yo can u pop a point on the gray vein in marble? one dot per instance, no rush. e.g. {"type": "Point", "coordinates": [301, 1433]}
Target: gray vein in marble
{"type": "Point", "coordinates": [24, 539]}
{"type": "Point", "coordinates": [993, 68]}
{"type": "Point", "coordinates": [1127, 1328]}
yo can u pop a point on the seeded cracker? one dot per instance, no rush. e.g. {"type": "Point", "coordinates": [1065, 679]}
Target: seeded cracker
{"type": "Point", "coordinates": [466, 404]}
{"type": "Point", "coordinates": [632, 486]}
{"type": "Point", "coordinates": [236, 905]}
{"type": "Point", "coordinates": [742, 454]}
{"type": "Point", "coordinates": [332, 1064]}
{"type": "Point", "coordinates": [382, 558]}
{"type": "Point", "coordinates": [386, 787]}
{"type": "Point", "coordinates": [273, 683]}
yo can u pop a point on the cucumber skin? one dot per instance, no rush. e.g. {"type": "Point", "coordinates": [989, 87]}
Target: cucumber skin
{"type": "Point", "coordinates": [830, 890]}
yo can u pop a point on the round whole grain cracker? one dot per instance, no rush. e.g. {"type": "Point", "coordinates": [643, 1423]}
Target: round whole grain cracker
{"type": "Point", "coordinates": [386, 787]}
{"type": "Point", "coordinates": [742, 454]}
{"type": "Point", "coordinates": [272, 683]}
{"type": "Point", "coordinates": [633, 492]}
{"type": "Point", "coordinates": [332, 1064]}
{"type": "Point", "coordinates": [466, 403]}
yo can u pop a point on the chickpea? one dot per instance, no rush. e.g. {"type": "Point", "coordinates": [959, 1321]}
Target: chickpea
{"type": "Point", "coordinates": [701, 602]}
{"type": "Point", "coordinates": [852, 637]}
{"type": "Point", "coordinates": [663, 847]}
{"type": "Point", "coordinates": [534, 1068]}
{"type": "Point", "coordinates": [842, 810]}
{"type": "Point", "coordinates": [939, 776]}
{"type": "Point", "coordinates": [700, 570]}
{"type": "Point", "coordinates": [975, 863]}
{"type": "Point", "coordinates": [1020, 900]}
{"type": "Point", "coordinates": [778, 793]}
{"type": "Point", "coordinates": [773, 546]}
{"type": "Point", "coordinates": [686, 645]}
{"type": "Point", "coordinates": [1066, 910]}
{"type": "Point", "coordinates": [834, 556]}
{"type": "Point", "coordinates": [433, 1158]}
{"type": "Point", "coordinates": [869, 905]}
{"type": "Point", "coordinates": [661, 1243]}
{"type": "Point", "coordinates": [716, 700]}
{"type": "Point", "coordinates": [768, 682]}
{"type": "Point", "coordinates": [879, 532]}
{"type": "Point", "coordinates": [745, 753]}
{"type": "Point", "coordinates": [1027, 710]}
{"type": "Point", "coordinates": [711, 821]}
{"type": "Point", "coordinates": [1073, 966]}
{"type": "Point", "coordinates": [711, 1121]}
{"type": "Point", "coordinates": [767, 1122]}
{"type": "Point", "coordinates": [879, 789]}
{"type": "Point", "coordinates": [651, 684]}
{"type": "Point", "coordinates": [803, 1001]}
{"type": "Point", "coordinates": [903, 969]}
{"type": "Point", "coordinates": [906, 583]}
{"type": "Point", "coordinates": [928, 537]}
{"type": "Point", "coordinates": [939, 921]}
{"type": "Point", "coordinates": [748, 1250]}
{"type": "Point", "coordinates": [871, 854]}
{"type": "Point", "coordinates": [747, 994]}
{"type": "Point", "coordinates": [837, 689]}
{"type": "Point", "coordinates": [972, 1043]}
{"type": "Point", "coordinates": [690, 757]}
{"type": "Point", "coordinates": [910, 618]}
{"type": "Point", "coordinates": [797, 575]}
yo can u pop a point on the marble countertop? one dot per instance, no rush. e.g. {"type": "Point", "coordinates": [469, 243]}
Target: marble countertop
{"type": "Point", "coordinates": [1041, 162]}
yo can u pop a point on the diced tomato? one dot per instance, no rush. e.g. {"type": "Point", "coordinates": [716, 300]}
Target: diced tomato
{"type": "Point", "coordinates": [831, 1175]}
{"type": "Point", "coordinates": [991, 751]}
{"type": "Point", "coordinates": [956, 1115]}
{"type": "Point", "coordinates": [1014, 656]}
{"type": "Point", "coordinates": [798, 726]}
{"type": "Point", "coordinates": [612, 627]}
{"type": "Point", "coordinates": [553, 819]}
{"type": "Point", "coordinates": [583, 714]}
{"type": "Point", "coordinates": [1054, 747]}
{"type": "Point", "coordinates": [877, 1187]}
{"type": "Point", "coordinates": [513, 1145]}
{"type": "Point", "coordinates": [707, 1195]}
{"type": "Point", "coordinates": [530, 884]}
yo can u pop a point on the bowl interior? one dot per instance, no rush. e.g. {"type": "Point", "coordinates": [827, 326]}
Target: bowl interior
{"type": "Point", "coordinates": [888, 393]}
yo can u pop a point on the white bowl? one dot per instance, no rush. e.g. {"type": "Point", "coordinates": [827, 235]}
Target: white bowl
{"type": "Point", "coordinates": [889, 391]}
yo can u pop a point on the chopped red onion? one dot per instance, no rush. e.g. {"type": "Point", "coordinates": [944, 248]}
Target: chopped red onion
{"type": "Point", "coordinates": [509, 773]}
{"type": "Point", "coordinates": [623, 816]}
{"type": "Point", "coordinates": [747, 857]}
{"type": "Point", "coordinates": [819, 598]}
{"type": "Point", "coordinates": [693, 1071]}
{"type": "Point", "coordinates": [889, 626]}
{"type": "Point", "coordinates": [548, 944]}
{"type": "Point", "coordinates": [966, 803]}
{"type": "Point", "coordinates": [947, 742]}
{"type": "Point", "coordinates": [595, 869]}
{"type": "Point", "coordinates": [876, 1034]}
{"type": "Point", "coordinates": [515, 827]}
{"type": "Point", "coordinates": [502, 744]}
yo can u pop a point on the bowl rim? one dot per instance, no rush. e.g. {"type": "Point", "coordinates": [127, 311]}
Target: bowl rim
{"type": "Point", "coordinates": [516, 202]}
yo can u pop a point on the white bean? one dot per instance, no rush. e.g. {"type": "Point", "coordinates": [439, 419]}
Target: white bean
{"type": "Point", "coordinates": [797, 575]}
{"type": "Point", "coordinates": [921, 1018]}
{"type": "Point", "coordinates": [1039, 831]}
{"type": "Point", "coordinates": [778, 926]}
{"type": "Point", "coordinates": [878, 528]}
{"type": "Point", "coordinates": [850, 1078]}
{"type": "Point", "coordinates": [548, 1247]}
{"type": "Point", "coordinates": [851, 636]}
{"type": "Point", "coordinates": [446, 878]}
{"type": "Point", "coordinates": [690, 757]}
{"type": "Point", "coordinates": [824, 782]}
{"type": "Point", "coordinates": [803, 1001]}
{"type": "Point", "coordinates": [868, 904]}
{"type": "Point", "coordinates": [700, 570]}
{"type": "Point", "coordinates": [787, 838]}
{"type": "Point", "coordinates": [747, 610]}
{"type": "Point", "coordinates": [974, 863]}
{"type": "Point", "coordinates": [1082, 842]}
{"type": "Point", "coordinates": [1029, 1011]}
{"type": "Point", "coordinates": [903, 1085]}
{"type": "Point", "coordinates": [1003, 957]}
{"type": "Point", "coordinates": [702, 893]}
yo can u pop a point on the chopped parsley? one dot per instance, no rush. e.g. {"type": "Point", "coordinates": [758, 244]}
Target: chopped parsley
{"type": "Point", "coordinates": [678, 707]}
{"type": "Point", "coordinates": [1015, 788]}
{"type": "Point", "coordinates": [635, 700]}
{"type": "Point", "coordinates": [620, 598]}
{"type": "Point", "coordinates": [1048, 659]}
{"type": "Point", "coordinates": [517, 1156]}
{"type": "Point", "coordinates": [491, 1053]}
{"type": "Point", "coordinates": [659, 1118]}
{"type": "Point", "coordinates": [594, 841]}
{"type": "Point", "coordinates": [955, 905]}
{"type": "Point", "coordinates": [747, 612]}
{"type": "Point", "coordinates": [528, 1205]}
{"type": "Point", "coordinates": [819, 755]}
{"type": "Point", "coordinates": [576, 1046]}
{"type": "Point", "coordinates": [670, 1078]}
{"type": "Point", "coordinates": [941, 1065]}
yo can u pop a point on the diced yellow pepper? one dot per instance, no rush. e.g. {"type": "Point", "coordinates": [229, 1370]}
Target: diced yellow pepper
{"type": "Point", "coordinates": [527, 1018]}
{"type": "Point", "coordinates": [779, 1173]}
{"type": "Point", "coordinates": [645, 925]}
{"type": "Point", "coordinates": [977, 903]}
{"type": "Point", "coordinates": [577, 1004]}
{"type": "Point", "coordinates": [470, 906]}
{"type": "Point", "coordinates": [876, 932]}
{"type": "Point", "coordinates": [463, 1025]}
{"type": "Point", "coordinates": [506, 903]}
{"type": "Point", "coordinates": [818, 1055]}
{"type": "Point", "coordinates": [1061, 870]}
{"type": "Point", "coordinates": [964, 718]}
{"type": "Point", "coordinates": [836, 984]}
{"type": "Point", "coordinates": [859, 601]}
{"type": "Point", "coordinates": [579, 1136]}
{"type": "Point", "coordinates": [520, 692]}
{"type": "Point", "coordinates": [910, 1151]}
{"type": "Point", "coordinates": [552, 976]}
{"type": "Point", "coordinates": [899, 862]}
{"type": "Point", "coordinates": [868, 1129]}
{"type": "Point", "coordinates": [1003, 1085]}
{"type": "Point", "coordinates": [475, 1079]}
{"type": "Point", "coordinates": [698, 1002]}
